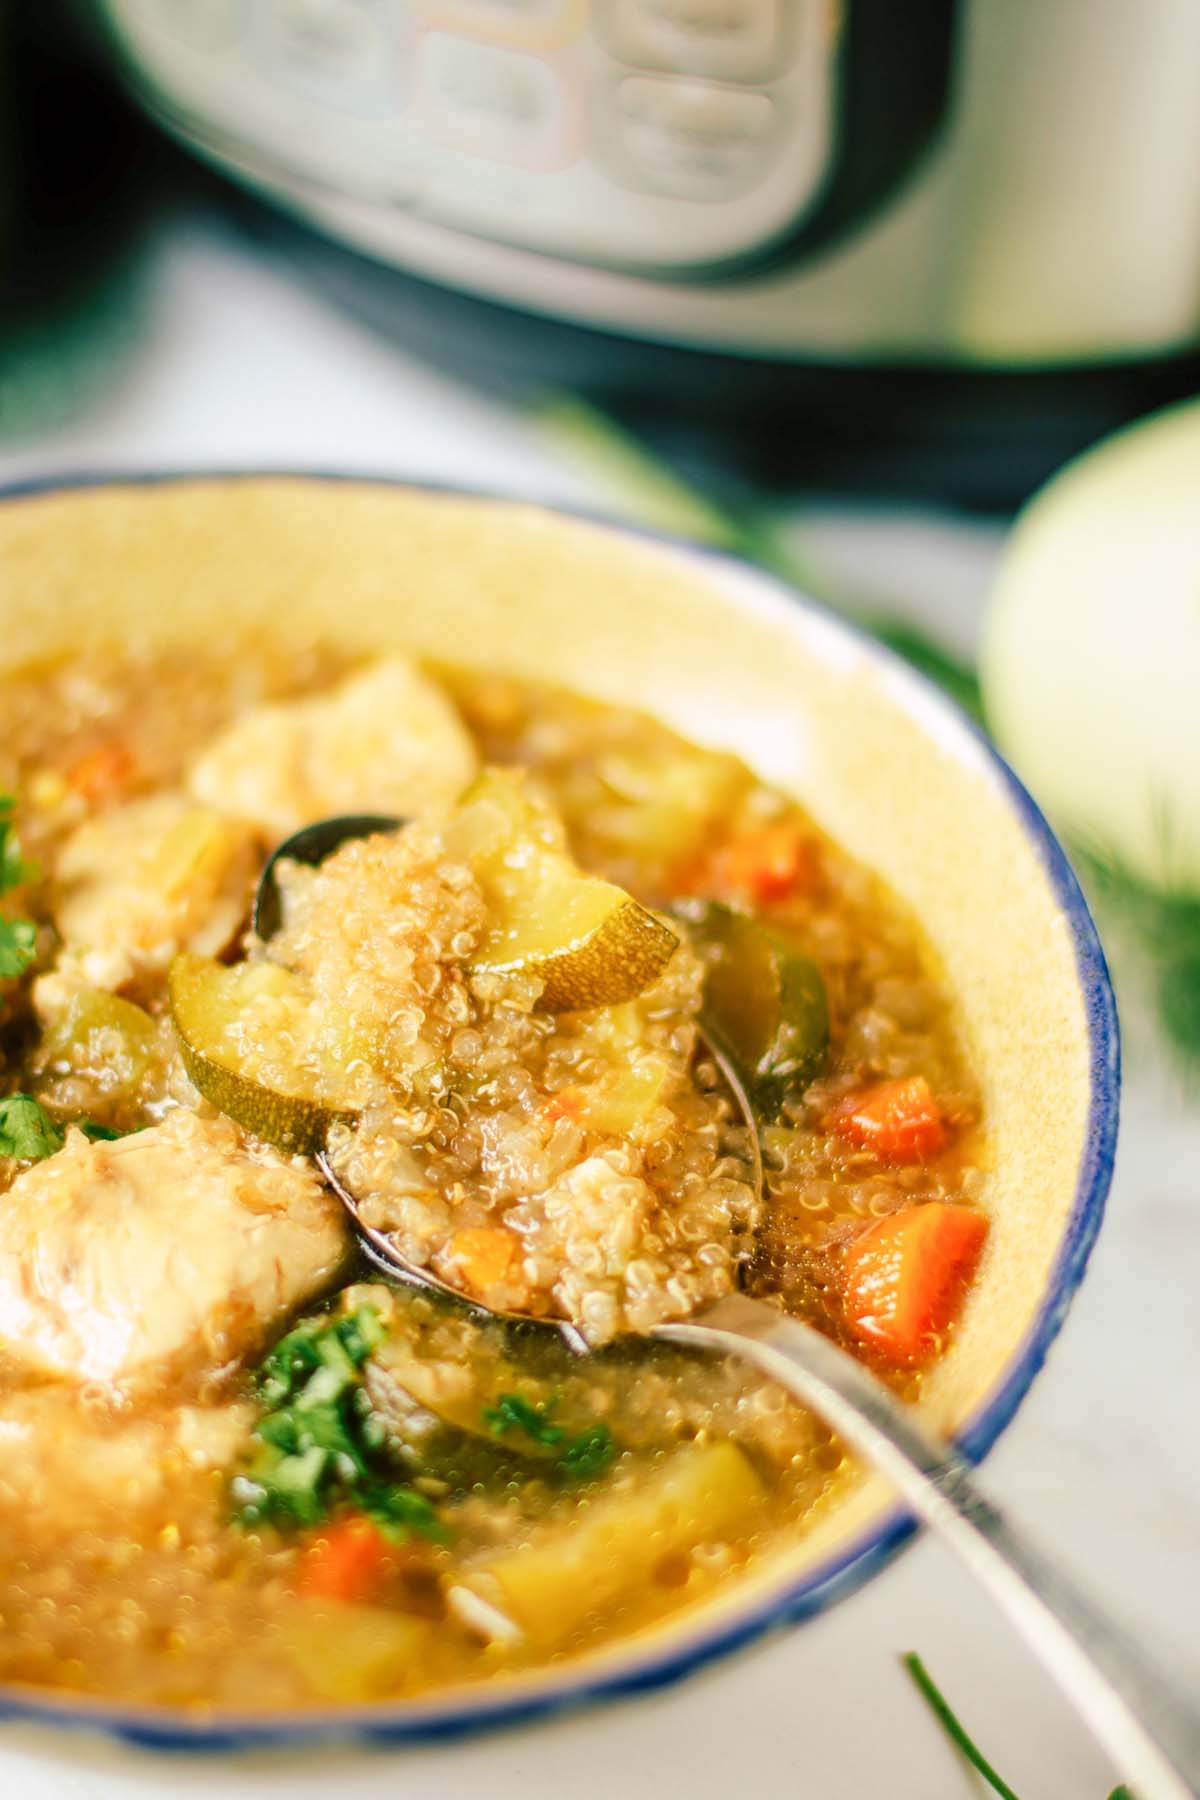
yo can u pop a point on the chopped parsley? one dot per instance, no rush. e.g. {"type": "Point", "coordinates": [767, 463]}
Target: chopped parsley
{"type": "Point", "coordinates": [26, 1130]}
{"type": "Point", "coordinates": [29, 1133]}
{"type": "Point", "coordinates": [100, 1134]}
{"type": "Point", "coordinates": [512, 1412]}
{"type": "Point", "coordinates": [14, 869]}
{"type": "Point", "coordinates": [318, 1443]}
{"type": "Point", "coordinates": [18, 937]}
{"type": "Point", "coordinates": [18, 946]}
{"type": "Point", "coordinates": [588, 1455]}
{"type": "Point", "coordinates": [579, 1458]}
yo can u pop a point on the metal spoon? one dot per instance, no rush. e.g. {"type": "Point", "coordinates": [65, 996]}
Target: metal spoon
{"type": "Point", "coordinates": [1151, 1732]}
{"type": "Point", "coordinates": [310, 845]}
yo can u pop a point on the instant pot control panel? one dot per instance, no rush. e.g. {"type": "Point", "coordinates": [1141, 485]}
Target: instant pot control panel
{"type": "Point", "coordinates": [655, 135]}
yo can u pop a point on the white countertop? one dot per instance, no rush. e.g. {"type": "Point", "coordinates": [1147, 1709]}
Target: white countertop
{"type": "Point", "coordinates": [235, 366]}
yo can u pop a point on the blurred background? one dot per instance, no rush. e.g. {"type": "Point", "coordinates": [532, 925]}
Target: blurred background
{"type": "Point", "coordinates": [926, 251]}
{"type": "Point", "coordinates": [838, 284]}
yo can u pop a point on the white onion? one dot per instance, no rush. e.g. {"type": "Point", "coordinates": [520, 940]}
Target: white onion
{"type": "Point", "coordinates": [1091, 658]}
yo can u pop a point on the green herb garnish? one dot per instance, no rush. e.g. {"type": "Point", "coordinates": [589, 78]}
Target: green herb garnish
{"type": "Point", "coordinates": [18, 937]}
{"type": "Point", "coordinates": [29, 1133]}
{"type": "Point", "coordinates": [1165, 928]}
{"type": "Point", "coordinates": [589, 1454]}
{"type": "Point", "coordinates": [318, 1443]}
{"type": "Point", "coordinates": [942, 1711]}
{"type": "Point", "coordinates": [14, 868]}
{"type": "Point", "coordinates": [100, 1134]}
{"type": "Point", "coordinates": [18, 946]}
{"type": "Point", "coordinates": [512, 1412]}
{"type": "Point", "coordinates": [26, 1130]}
{"type": "Point", "coordinates": [399, 1510]}
{"type": "Point", "coordinates": [579, 1458]}
{"type": "Point", "coordinates": [939, 1706]}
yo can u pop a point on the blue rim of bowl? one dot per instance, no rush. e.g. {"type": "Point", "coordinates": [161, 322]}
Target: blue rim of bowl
{"type": "Point", "coordinates": [468, 1712]}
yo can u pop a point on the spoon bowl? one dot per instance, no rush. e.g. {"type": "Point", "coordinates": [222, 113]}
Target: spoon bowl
{"type": "Point", "coordinates": [312, 845]}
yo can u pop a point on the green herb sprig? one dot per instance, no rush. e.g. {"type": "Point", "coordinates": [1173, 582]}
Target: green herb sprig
{"type": "Point", "coordinates": [942, 1711]}
{"type": "Point", "coordinates": [318, 1442]}
{"type": "Point", "coordinates": [18, 946]}
{"type": "Point", "coordinates": [585, 1457]}
{"type": "Point", "coordinates": [101, 1134]}
{"type": "Point", "coordinates": [14, 867]}
{"type": "Point", "coordinates": [26, 1129]}
{"type": "Point", "coordinates": [28, 1132]}
{"type": "Point", "coordinates": [512, 1412]}
{"type": "Point", "coordinates": [1166, 927]}
{"type": "Point", "coordinates": [578, 1458]}
{"type": "Point", "coordinates": [18, 937]}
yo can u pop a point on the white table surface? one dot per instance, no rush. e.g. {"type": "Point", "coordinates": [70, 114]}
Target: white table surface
{"type": "Point", "coordinates": [237, 366]}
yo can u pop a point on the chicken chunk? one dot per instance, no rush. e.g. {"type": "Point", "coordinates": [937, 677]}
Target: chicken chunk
{"type": "Point", "coordinates": [140, 883]}
{"type": "Point", "coordinates": [71, 1463]}
{"type": "Point", "coordinates": [385, 741]}
{"type": "Point", "coordinates": [160, 1258]}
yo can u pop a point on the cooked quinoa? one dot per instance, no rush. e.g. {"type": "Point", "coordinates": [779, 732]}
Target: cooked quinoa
{"type": "Point", "coordinates": [468, 1126]}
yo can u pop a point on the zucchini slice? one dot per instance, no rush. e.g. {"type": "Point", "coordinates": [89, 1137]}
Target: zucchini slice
{"type": "Point", "coordinates": [588, 941]}
{"type": "Point", "coordinates": [764, 1002]}
{"type": "Point", "coordinates": [259, 1050]}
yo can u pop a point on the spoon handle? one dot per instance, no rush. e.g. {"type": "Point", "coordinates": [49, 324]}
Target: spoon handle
{"type": "Point", "coordinates": [1152, 1735]}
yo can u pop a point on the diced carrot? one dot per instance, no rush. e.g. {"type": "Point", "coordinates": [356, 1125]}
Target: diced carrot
{"type": "Point", "coordinates": [899, 1120]}
{"type": "Point", "coordinates": [767, 863]}
{"type": "Point", "coordinates": [566, 1104]}
{"type": "Point", "coordinates": [483, 1254]}
{"type": "Point", "coordinates": [100, 773]}
{"type": "Point", "coordinates": [904, 1278]}
{"type": "Point", "coordinates": [347, 1561]}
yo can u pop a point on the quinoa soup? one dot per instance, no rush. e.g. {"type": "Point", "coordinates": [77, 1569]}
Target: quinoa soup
{"type": "Point", "coordinates": [241, 1469]}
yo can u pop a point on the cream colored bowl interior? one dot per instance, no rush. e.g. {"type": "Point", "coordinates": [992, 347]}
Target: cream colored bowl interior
{"type": "Point", "coordinates": [720, 655]}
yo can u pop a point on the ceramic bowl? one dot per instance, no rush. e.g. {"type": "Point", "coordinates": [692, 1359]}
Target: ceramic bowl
{"type": "Point", "coordinates": [733, 659]}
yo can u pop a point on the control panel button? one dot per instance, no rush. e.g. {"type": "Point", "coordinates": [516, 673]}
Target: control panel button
{"type": "Point", "coordinates": [323, 48]}
{"type": "Point", "coordinates": [336, 32]}
{"type": "Point", "coordinates": [205, 24]}
{"type": "Point", "coordinates": [493, 102]}
{"type": "Point", "coordinates": [690, 138]}
{"type": "Point", "coordinates": [527, 24]}
{"type": "Point", "coordinates": [730, 40]}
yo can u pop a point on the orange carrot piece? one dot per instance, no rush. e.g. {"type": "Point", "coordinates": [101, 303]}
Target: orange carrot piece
{"type": "Point", "coordinates": [899, 1120]}
{"type": "Point", "coordinates": [484, 1254]}
{"type": "Point", "coordinates": [347, 1561]}
{"type": "Point", "coordinates": [767, 863]}
{"type": "Point", "coordinates": [903, 1280]}
{"type": "Point", "coordinates": [566, 1104]}
{"type": "Point", "coordinates": [101, 773]}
